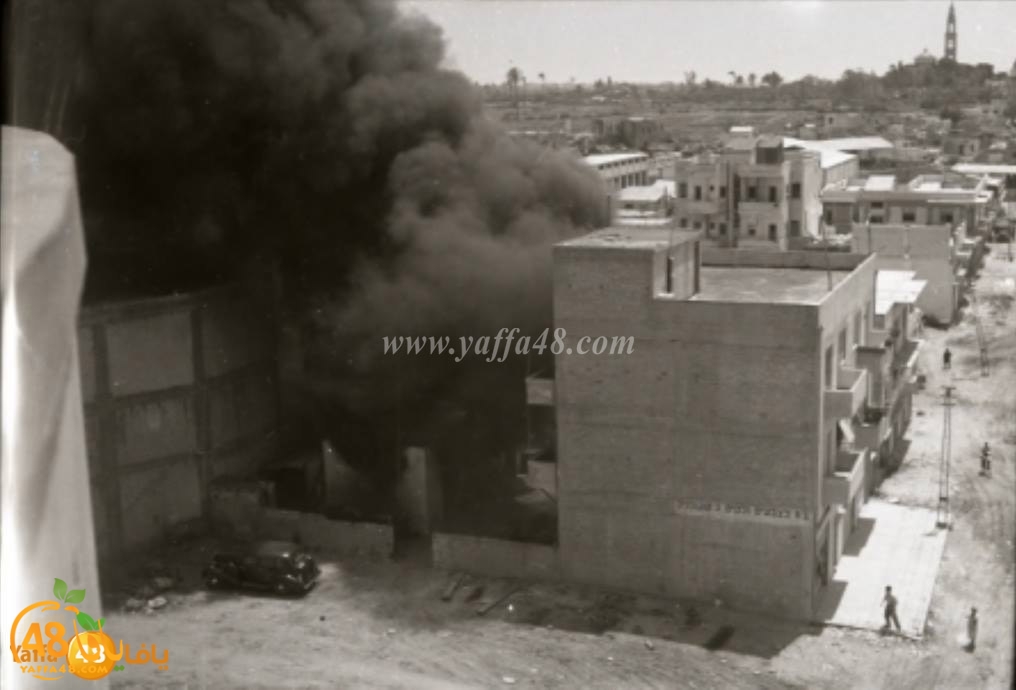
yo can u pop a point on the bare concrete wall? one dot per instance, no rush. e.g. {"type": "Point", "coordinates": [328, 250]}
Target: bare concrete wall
{"type": "Point", "coordinates": [495, 557]}
{"type": "Point", "coordinates": [719, 408]}
{"type": "Point", "coordinates": [320, 533]}
{"type": "Point", "coordinates": [177, 391]}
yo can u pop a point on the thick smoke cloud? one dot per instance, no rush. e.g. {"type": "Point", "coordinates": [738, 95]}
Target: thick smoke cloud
{"type": "Point", "coordinates": [324, 137]}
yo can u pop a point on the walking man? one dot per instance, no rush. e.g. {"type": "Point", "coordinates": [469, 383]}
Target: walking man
{"type": "Point", "coordinates": [947, 359]}
{"type": "Point", "coordinates": [890, 610]}
{"type": "Point", "coordinates": [972, 629]}
{"type": "Point", "coordinates": [985, 460]}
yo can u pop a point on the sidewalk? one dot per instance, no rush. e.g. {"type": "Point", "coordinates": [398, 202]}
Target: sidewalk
{"type": "Point", "coordinates": [892, 545]}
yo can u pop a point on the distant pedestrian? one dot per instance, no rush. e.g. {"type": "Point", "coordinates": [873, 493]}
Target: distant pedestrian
{"type": "Point", "coordinates": [986, 460]}
{"type": "Point", "coordinates": [972, 629]}
{"type": "Point", "coordinates": [889, 600]}
{"type": "Point", "coordinates": [947, 359]}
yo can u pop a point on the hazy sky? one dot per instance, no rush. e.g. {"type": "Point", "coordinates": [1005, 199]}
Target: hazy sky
{"type": "Point", "coordinates": [633, 40]}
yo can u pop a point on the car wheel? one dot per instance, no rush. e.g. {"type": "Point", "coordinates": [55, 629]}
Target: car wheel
{"type": "Point", "coordinates": [281, 588]}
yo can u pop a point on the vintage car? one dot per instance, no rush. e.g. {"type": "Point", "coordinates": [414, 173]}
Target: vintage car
{"type": "Point", "coordinates": [280, 567]}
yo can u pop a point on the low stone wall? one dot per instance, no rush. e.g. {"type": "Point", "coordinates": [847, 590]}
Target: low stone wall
{"type": "Point", "coordinates": [320, 533]}
{"type": "Point", "coordinates": [495, 557]}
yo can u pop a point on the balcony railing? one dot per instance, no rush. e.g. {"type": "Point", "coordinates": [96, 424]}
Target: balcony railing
{"type": "Point", "coordinates": [842, 485]}
{"type": "Point", "coordinates": [700, 206]}
{"type": "Point", "coordinates": [850, 393]}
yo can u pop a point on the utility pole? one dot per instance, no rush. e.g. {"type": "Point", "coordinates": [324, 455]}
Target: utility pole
{"type": "Point", "coordinates": [943, 517]}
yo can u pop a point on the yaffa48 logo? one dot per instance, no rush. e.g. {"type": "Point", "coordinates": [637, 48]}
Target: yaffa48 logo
{"type": "Point", "coordinates": [44, 650]}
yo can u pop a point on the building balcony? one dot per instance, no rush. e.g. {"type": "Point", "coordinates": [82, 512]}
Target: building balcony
{"type": "Point", "coordinates": [842, 486]}
{"type": "Point", "coordinates": [871, 428]}
{"type": "Point", "coordinates": [703, 207]}
{"type": "Point", "coordinates": [762, 208]}
{"type": "Point", "coordinates": [849, 395]}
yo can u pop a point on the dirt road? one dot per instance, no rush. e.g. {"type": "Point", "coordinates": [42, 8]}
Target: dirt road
{"type": "Point", "coordinates": [383, 625]}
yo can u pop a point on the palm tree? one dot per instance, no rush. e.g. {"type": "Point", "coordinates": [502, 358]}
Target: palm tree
{"type": "Point", "coordinates": [751, 80]}
{"type": "Point", "coordinates": [733, 76]}
{"type": "Point", "coordinates": [512, 79]}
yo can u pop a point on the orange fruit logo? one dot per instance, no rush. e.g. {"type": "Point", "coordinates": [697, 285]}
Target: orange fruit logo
{"type": "Point", "coordinates": [91, 655]}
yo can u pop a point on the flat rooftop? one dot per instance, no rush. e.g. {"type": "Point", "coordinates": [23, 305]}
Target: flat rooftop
{"type": "Point", "coordinates": [598, 159]}
{"type": "Point", "coordinates": [631, 238]}
{"type": "Point", "coordinates": [764, 285]}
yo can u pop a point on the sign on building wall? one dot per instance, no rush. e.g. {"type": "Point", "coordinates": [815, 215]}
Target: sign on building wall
{"type": "Point", "coordinates": [708, 507]}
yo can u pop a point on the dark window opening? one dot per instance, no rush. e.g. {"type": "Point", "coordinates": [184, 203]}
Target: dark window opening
{"type": "Point", "coordinates": [795, 190]}
{"type": "Point", "coordinates": [772, 233]}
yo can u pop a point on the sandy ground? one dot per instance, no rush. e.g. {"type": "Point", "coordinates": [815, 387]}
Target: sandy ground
{"type": "Point", "coordinates": [384, 625]}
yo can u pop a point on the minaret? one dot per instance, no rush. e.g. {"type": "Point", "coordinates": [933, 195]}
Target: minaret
{"type": "Point", "coordinates": [950, 35]}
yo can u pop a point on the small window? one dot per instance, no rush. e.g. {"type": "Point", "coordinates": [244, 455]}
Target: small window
{"type": "Point", "coordinates": [909, 215]}
{"type": "Point", "coordinates": [723, 192]}
{"type": "Point", "coordinates": [829, 216]}
{"type": "Point", "coordinates": [795, 190]}
{"type": "Point", "coordinates": [712, 226]}
{"type": "Point", "coordinates": [698, 193]}
{"type": "Point", "coordinates": [684, 222]}
{"type": "Point", "coordinates": [772, 195]}
{"type": "Point", "coordinates": [723, 228]}
{"type": "Point", "coordinates": [752, 193]}
{"type": "Point", "coordinates": [877, 204]}
{"type": "Point", "coordinates": [772, 233]}
{"type": "Point", "coordinates": [682, 190]}
{"type": "Point", "coordinates": [698, 225]}
{"type": "Point", "coordinates": [947, 217]}
{"type": "Point", "coordinates": [751, 231]}
{"type": "Point", "coordinates": [795, 228]}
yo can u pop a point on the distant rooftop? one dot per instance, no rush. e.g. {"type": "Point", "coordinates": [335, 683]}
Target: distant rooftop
{"type": "Point", "coordinates": [984, 169]}
{"type": "Point", "coordinates": [880, 183]}
{"type": "Point", "coordinates": [765, 285]}
{"type": "Point", "coordinates": [653, 192]}
{"type": "Point", "coordinates": [851, 144]}
{"type": "Point", "coordinates": [896, 287]}
{"type": "Point", "coordinates": [830, 157]}
{"type": "Point", "coordinates": [598, 159]}
{"type": "Point", "coordinates": [632, 238]}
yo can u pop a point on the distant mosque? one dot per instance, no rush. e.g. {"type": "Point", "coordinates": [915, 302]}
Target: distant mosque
{"type": "Point", "coordinates": [926, 58]}
{"type": "Point", "coordinates": [950, 35]}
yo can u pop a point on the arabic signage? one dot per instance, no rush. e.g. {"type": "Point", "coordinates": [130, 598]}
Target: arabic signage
{"type": "Point", "coordinates": [734, 509]}
{"type": "Point", "coordinates": [40, 646]}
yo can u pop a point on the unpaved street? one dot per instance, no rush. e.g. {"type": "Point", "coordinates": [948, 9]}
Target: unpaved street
{"type": "Point", "coordinates": [383, 625]}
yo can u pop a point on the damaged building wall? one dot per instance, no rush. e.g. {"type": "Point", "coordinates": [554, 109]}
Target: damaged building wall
{"type": "Point", "coordinates": [178, 391]}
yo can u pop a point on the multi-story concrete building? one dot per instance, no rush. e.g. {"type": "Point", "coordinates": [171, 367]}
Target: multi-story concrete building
{"type": "Point", "coordinates": [755, 193]}
{"type": "Point", "coordinates": [723, 457]}
{"type": "Point", "coordinates": [914, 226]}
{"type": "Point", "coordinates": [619, 171]}
{"type": "Point", "coordinates": [650, 205]}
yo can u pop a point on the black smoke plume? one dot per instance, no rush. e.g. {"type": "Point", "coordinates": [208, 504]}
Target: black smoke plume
{"type": "Point", "coordinates": [323, 138]}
